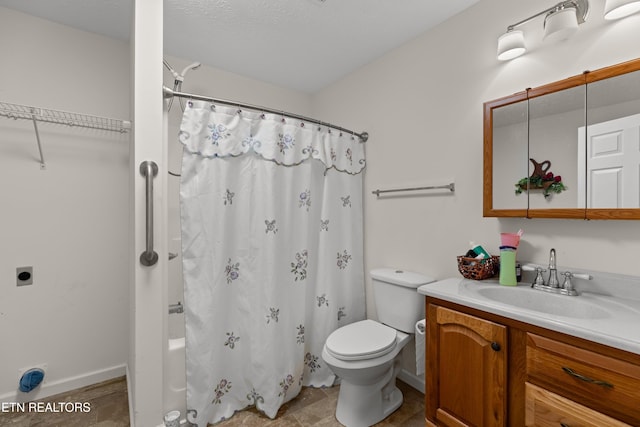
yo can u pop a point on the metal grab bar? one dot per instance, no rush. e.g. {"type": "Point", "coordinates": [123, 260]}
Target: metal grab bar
{"type": "Point", "coordinates": [149, 169]}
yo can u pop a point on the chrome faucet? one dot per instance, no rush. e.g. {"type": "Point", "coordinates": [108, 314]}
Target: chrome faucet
{"type": "Point", "coordinates": [553, 272]}
{"type": "Point", "coordinates": [553, 285]}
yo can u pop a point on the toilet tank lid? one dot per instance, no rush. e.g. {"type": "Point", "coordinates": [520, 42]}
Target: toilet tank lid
{"type": "Point", "coordinates": [408, 279]}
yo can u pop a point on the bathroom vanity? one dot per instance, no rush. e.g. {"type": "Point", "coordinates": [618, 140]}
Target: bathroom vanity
{"type": "Point", "coordinates": [514, 356]}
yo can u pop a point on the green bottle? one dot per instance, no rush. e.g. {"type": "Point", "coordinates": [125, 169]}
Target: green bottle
{"type": "Point", "coordinates": [508, 266]}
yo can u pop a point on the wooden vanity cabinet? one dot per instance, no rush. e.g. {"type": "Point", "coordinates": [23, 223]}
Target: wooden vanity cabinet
{"type": "Point", "coordinates": [486, 370]}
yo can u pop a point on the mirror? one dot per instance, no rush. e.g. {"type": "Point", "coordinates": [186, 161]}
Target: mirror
{"type": "Point", "coordinates": [509, 154]}
{"type": "Point", "coordinates": [569, 149]}
{"type": "Point", "coordinates": [609, 162]}
{"type": "Point", "coordinates": [554, 119]}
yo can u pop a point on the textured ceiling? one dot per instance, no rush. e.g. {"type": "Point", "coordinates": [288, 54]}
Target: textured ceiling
{"type": "Point", "coordinates": [300, 44]}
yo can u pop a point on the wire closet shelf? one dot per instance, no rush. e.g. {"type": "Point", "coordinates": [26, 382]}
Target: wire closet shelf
{"type": "Point", "coordinates": [17, 111]}
{"type": "Point", "coordinates": [36, 114]}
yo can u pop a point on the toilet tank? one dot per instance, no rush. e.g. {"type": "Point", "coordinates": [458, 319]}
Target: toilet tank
{"type": "Point", "coordinates": [398, 303]}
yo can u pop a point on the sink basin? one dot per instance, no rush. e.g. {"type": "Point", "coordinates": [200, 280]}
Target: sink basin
{"type": "Point", "coordinates": [544, 302]}
{"type": "Point", "coordinates": [608, 319]}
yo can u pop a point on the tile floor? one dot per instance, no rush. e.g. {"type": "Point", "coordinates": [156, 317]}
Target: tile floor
{"type": "Point", "coordinates": [110, 408]}
{"type": "Point", "coordinates": [316, 407]}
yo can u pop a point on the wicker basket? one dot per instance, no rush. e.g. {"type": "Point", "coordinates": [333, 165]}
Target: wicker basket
{"type": "Point", "coordinates": [471, 268]}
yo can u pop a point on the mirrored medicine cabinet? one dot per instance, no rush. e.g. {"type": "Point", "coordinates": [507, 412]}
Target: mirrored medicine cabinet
{"type": "Point", "coordinates": [568, 149]}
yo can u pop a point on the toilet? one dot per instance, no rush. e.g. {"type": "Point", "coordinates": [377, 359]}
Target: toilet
{"type": "Point", "coordinates": [365, 355]}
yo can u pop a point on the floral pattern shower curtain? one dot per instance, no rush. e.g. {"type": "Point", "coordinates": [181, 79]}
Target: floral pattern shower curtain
{"type": "Point", "coordinates": [272, 241]}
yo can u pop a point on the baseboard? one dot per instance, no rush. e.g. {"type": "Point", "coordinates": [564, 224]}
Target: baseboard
{"type": "Point", "coordinates": [132, 418]}
{"type": "Point", "coordinates": [413, 380]}
{"type": "Point", "coordinates": [64, 385]}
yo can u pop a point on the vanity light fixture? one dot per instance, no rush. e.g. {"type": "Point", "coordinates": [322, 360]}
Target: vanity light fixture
{"type": "Point", "coordinates": [616, 9]}
{"type": "Point", "coordinates": [511, 45]}
{"type": "Point", "coordinates": [560, 22]}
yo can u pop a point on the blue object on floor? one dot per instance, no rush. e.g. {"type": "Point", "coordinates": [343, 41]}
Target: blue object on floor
{"type": "Point", "coordinates": [31, 379]}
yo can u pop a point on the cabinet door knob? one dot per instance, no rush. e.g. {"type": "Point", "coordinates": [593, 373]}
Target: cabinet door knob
{"type": "Point", "coordinates": [495, 346]}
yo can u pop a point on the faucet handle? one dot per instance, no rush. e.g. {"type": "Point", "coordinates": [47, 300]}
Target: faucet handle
{"type": "Point", "coordinates": [582, 276]}
{"type": "Point", "coordinates": [567, 286]}
{"type": "Point", "coordinates": [539, 280]}
{"type": "Point", "coordinates": [567, 280]}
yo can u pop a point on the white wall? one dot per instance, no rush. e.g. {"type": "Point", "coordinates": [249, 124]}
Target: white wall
{"type": "Point", "coordinates": [422, 105]}
{"type": "Point", "coordinates": [148, 291]}
{"type": "Point", "coordinates": [68, 221]}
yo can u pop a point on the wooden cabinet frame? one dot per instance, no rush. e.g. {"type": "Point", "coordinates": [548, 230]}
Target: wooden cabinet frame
{"type": "Point", "coordinates": [574, 213]}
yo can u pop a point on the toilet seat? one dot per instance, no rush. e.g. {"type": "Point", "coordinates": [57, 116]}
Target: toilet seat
{"type": "Point", "coordinates": [362, 340]}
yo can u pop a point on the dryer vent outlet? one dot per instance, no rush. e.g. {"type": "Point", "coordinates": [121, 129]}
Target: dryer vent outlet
{"type": "Point", "coordinates": [24, 276]}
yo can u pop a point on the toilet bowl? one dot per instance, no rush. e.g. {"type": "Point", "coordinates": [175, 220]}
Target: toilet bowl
{"type": "Point", "coordinates": [367, 369]}
{"type": "Point", "coordinates": [365, 355]}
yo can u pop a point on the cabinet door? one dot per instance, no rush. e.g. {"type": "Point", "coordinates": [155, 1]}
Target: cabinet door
{"type": "Point", "coordinates": [467, 365]}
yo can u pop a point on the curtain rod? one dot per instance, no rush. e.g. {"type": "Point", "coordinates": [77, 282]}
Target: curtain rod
{"type": "Point", "coordinates": [169, 93]}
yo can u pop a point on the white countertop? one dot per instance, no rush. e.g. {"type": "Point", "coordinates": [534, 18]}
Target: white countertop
{"type": "Point", "coordinates": [616, 320]}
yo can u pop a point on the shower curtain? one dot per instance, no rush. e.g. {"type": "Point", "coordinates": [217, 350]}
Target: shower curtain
{"type": "Point", "coordinates": [272, 241]}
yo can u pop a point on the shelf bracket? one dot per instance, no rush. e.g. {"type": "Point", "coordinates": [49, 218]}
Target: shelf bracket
{"type": "Point", "coordinates": [43, 165]}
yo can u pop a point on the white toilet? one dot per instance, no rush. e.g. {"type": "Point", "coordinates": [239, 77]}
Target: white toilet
{"type": "Point", "coordinates": [366, 354]}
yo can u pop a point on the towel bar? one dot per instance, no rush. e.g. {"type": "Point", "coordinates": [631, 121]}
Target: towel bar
{"type": "Point", "coordinates": [451, 187]}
